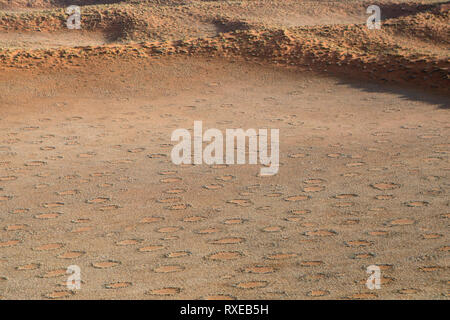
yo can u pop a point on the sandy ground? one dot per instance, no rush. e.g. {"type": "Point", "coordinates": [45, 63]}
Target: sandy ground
{"type": "Point", "coordinates": [86, 177]}
{"type": "Point", "coordinates": [33, 40]}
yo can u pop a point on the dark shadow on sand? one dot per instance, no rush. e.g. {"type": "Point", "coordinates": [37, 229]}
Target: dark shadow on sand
{"type": "Point", "coordinates": [395, 10]}
{"type": "Point", "coordinates": [413, 94]}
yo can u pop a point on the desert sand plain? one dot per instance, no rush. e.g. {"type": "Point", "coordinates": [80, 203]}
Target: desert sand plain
{"type": "Point", "coordinates": [86, 176]}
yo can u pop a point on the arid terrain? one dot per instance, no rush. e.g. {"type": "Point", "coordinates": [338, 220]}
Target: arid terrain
{"type": "Point", "coordinates": [86, 176]}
